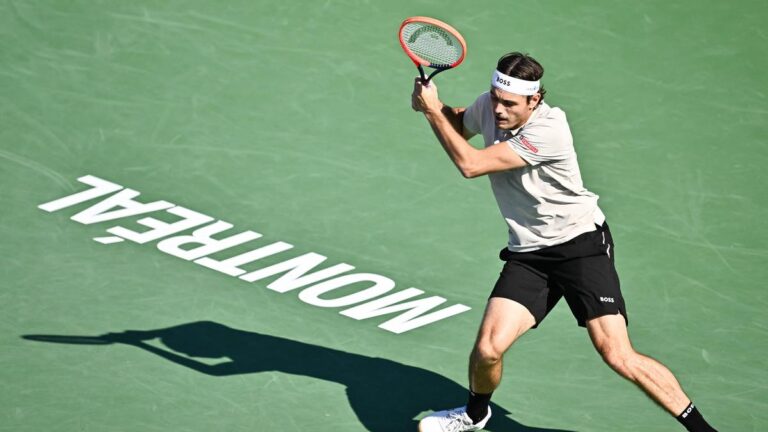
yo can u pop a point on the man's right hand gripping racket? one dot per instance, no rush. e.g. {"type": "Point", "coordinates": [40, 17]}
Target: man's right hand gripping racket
{"type": "Point", "coordinates": [432, 43]}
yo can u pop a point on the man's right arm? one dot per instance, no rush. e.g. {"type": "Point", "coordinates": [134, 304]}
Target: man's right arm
{"type": "Point", "coordinates": [447, 124]}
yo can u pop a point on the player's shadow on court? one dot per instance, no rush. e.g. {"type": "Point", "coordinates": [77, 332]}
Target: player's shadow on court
{"type": "Point", "coordinates": [385, 395]}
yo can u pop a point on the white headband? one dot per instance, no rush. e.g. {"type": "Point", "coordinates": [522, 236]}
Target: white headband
{"type": "Point", "coordinates": [514, 85]}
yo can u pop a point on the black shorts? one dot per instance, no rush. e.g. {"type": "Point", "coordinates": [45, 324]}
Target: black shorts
{"type": "Point", "coordinates": [581, 270]}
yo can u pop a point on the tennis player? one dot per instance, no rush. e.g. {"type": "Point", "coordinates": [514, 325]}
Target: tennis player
{"type": "Point", "coordinates": [559, 242]}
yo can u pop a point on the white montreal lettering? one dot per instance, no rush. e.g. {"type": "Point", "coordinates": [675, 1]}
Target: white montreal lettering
{"type": "Point", "coordinates": [317, 286]}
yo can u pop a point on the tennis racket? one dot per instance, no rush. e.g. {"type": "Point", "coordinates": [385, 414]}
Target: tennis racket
{"type": "Point", "coordinates": [431, 43]}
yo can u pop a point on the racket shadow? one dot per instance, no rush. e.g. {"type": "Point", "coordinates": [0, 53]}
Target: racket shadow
{"type": "Point", "coordinates": [385, 395]}
{"type": "Point", "coordinates": [71, 340]}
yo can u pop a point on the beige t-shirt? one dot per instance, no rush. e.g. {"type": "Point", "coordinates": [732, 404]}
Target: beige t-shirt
{"type": "Point", "coordinates": [544, 203]}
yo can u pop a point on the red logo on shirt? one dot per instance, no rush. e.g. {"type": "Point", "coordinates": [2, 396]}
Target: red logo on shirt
{"type": "Point", "coordinates": [530, 146]}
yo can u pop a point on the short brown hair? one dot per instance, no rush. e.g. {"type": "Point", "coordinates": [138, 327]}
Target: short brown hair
{"type": "Point", "coordinates": [522, 66]}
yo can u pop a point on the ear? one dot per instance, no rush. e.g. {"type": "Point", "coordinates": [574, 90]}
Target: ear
{"type": "Point", "coordinates": [534, 100]}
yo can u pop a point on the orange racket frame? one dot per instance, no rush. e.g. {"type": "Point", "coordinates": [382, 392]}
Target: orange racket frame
{"type": "Point", "coordinates": [420, 62]}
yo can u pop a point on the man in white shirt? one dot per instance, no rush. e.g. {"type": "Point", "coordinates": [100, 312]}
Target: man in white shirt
{"type": "Point", "coordinates": [559, 243]}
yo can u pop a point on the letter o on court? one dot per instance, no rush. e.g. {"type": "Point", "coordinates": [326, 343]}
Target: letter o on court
{"type": "Point", "coordinates": [380, 286]}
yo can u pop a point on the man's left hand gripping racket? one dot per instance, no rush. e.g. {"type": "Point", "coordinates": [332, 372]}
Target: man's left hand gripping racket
{"type": "Point", "coordinates": [432, 43]}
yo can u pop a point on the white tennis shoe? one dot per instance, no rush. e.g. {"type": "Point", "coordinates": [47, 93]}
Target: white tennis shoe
{"type": "Point", "coordinates": [455, 420]}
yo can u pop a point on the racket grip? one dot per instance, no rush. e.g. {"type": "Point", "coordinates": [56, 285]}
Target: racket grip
{"type": "Point", "coordinates": [424, 79]}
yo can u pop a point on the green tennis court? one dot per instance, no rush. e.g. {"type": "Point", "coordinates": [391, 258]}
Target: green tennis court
{"type": "Point", "coordinates": [289, 125]}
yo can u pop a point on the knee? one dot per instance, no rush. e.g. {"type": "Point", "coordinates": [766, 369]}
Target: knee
{"type": "Point", "coordinates": [486, 353]}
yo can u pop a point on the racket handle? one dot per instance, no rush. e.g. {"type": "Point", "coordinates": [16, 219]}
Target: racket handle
{"type": "Point", "coordinates": [424, 79]}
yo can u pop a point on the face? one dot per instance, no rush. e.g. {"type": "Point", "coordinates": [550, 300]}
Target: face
{"type": "Point", "coordinates": [511, 110]}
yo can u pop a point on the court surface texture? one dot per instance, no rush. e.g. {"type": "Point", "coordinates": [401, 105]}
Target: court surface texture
{"type": "Point", "coordinates": [289, 123]}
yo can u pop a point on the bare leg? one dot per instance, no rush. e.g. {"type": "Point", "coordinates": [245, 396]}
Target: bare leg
{"type": "Point", "coordinates": [609, 335]}
{"type": "Point", "coordinates": [504, 322]}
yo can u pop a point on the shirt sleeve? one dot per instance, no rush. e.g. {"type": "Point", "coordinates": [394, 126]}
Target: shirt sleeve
{"type": "Point", "coordinates": [542, 142]}
{"type": "Point", "coordinates": [473, 115]}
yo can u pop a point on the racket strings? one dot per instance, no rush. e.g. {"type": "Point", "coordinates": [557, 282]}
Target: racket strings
{"type": "Point", "coordinates": [432, 43]}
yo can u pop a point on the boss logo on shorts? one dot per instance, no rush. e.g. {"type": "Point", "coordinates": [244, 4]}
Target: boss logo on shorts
{"type": "Point", "coordinates": [607, 300]}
